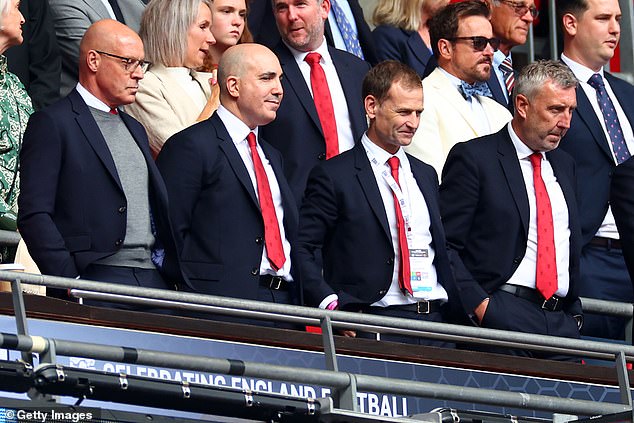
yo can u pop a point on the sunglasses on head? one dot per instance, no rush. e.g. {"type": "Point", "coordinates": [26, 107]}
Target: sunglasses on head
{"type": "Point", "coordinates": [478, 42]}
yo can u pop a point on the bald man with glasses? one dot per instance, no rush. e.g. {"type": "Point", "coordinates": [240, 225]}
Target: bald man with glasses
{"type": "Point", "coordinates": [457, 103]}
{"type": "Point", "coordinates": [93, 203]}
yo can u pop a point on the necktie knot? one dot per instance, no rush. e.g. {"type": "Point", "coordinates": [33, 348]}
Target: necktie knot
{"type": "Point", "coordinates": [312, 58]}
{"type": "Point", "coordinates": [536, 160]}
{"type": "Point", "coordinates": [114, 111]}
{"type": "Point", "coordinates": [393, 162]}
{"type": "Point", "coordinates": [251, 139]}
{"type": "Point", "coordinates": [479, 88]}
{"type": "Point", "coordinates": [596, 81]}
{"type": "Point", "coordinates": [506, 66]}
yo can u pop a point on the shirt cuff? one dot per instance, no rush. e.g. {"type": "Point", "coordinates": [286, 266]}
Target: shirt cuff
{"type": "Point", "coordinates": [330, 298]}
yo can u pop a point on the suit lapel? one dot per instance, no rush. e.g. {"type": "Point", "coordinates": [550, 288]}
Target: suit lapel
{"type": "Point", "coordinates": [452, 96]}
{"type": "Point", "coordinates": [233, 157]}
{"type": "Point", "coordinates": [295, 80]}
{"type": "Point", "coordinates": [98, 7]}
{"type": "Point", "coordinates": [291, 214]}
{"type": "Point", "coordinates": [93, 135]}
{"type": "Point", "coordinates": [513, 174]}
{"type": "Point", "coordinates": [496, 89]}
{"type": "Point", "coordinates": [586, 113]}
{"type": "Point", "coordinates": [417, 46]}
{"type": "Point", "coordinates": [370, 187]}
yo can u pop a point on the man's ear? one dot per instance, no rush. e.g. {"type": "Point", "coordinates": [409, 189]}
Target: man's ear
{"type": "Point", "coordinates": [370, 104]}
{"type": "Point", "coordinates": [569, 24]}
{"type": "Point", "coordinates": [233, 86]}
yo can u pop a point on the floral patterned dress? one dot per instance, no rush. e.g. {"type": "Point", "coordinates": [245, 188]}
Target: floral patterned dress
{"type": "Point", "coordinates": [15, 109]}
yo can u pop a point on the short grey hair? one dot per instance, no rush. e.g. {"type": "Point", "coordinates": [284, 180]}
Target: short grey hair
{"type": "Point", "coordinates": [535, 75]}
{"type": "Point", "coordinates": [164, 27]}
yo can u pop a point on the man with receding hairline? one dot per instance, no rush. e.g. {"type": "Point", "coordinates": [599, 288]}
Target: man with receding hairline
{"type": "Point", "coordinates": [234, 217]}
{"type": "Point", "coordinates": [93, 203]}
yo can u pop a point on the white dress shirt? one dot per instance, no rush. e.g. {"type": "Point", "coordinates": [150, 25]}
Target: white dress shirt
{"type": "Point", "coordinates": [525, 273]}
{"type": "Point", "coordinates": [608, 226]}
{"type": "Point", "coordinates": [238, 132]}
{"type": "Point", "coordinates": [342, 116]}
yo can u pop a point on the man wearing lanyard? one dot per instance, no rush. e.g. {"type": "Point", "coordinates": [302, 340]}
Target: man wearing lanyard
{"type": "Point", "coordinates": [509, 208]}
{"type": "Point", "coordinates": [372, 214]}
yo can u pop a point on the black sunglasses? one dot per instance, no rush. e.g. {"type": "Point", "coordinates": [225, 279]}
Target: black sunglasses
{"type": "Point", "coordinates": [478, 42]}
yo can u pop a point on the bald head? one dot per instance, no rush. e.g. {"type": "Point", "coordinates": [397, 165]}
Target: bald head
{"type": "Point", "coordinates": [105, 52]}
{"type": "Point", "coordinates": [250, 87]}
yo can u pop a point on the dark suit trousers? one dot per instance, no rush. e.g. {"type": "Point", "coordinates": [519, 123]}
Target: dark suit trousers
{"type": "Point", "coordinates": [405, 314]}
{"type": "Point", "coordinates": [604, 276]}
{"type": "Point", "coordinates": [508, 312]}
{"type": "Point", "coordinates": [145, 278]}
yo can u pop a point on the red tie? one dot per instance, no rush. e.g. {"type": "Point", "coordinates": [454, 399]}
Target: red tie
{"type": "Point", "coordinates": [323, 104]}
{"type": "Point", "coordinates": [403, 271]}
{"type": "Point", "coordinates": [546, 274]}
{"type": "Point", "coordinates": [114, 111]}
{"type": "Point", "coordinates": [272, 238]}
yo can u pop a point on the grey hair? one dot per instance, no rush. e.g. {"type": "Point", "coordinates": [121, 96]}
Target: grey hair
{"type": "Point", "coordinates": [535, 75]}
{"type": "Point", "coordinates": [164, 27]}
{"type": "Point", "coordinates": [5, 5]}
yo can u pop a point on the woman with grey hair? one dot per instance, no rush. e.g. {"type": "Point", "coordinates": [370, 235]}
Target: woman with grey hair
{"type": "Point", "coordinates": [15, 109]}
{"type": "Point", "coordinates": [172, 95]}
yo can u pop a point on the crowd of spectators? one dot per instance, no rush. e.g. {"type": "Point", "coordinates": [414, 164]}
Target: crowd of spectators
{"type": "Point", "coordinates": [301, 160]}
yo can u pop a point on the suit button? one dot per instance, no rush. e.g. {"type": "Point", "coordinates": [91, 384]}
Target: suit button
{"type": "Point", "coordinates": [390, 261]}
{"type": "Point", "coordinates": [118, 242]}
{"type": "Point", "coordinates": [517, 260]}
{"type": "Point", "coordinates": [259, 240]}
{"type": "Point", "coordinates": [322, 156]}
{"type": "Point", "coordinates": [255, 271]}
{"type": "Point", "coordinates": [383, 292]}
{"type": "Point", "coordinates": [122, 209]}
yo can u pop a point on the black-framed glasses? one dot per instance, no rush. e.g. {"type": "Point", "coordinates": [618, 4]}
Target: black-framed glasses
{"type": "Point", "coordinates": [478, 42]}
{"type": "Point", "coordinates": [521, 8]}
{"type": "Point", "coordinates": [129, 64]}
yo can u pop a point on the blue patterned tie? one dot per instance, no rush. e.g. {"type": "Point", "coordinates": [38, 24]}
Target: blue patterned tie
{"type": "Point", "coordinates": [612, 123]}
{"type": "Point", "coordinates": [479, 88]}
{"type": "Point", "coordinates": [349, 36]}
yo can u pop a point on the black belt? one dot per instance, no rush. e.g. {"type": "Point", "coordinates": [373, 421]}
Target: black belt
{"type": "Point", "coordinates": [276, 283]}
{"type": "Point", "coordinates": [554, 303]}
{"type": "Point", "coordinates": [421, 307]}
{"type": "Point", "coordinates": [607, 243]}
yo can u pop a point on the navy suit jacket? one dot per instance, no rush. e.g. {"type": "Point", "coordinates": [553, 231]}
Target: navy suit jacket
{"type": "Point", "coordinates": [215, 212]}
{"type": "Point", "coordinates": [622, 202]}
{"type": "Point", "coordinates": [343, 219]}
{"type": "Point", "coordinates": [586, 142]}
{"type": "Point", "coordinates": [484, 207]}
{"type": "Point", "coordinates": [498, 91]}
{"type": "Point", "coordinates": [296, 132]}
{"type": "Point", "coordinates": [262, 25]}
{"type": "Point", "coordinates": [72, 208]}
{"type": "Point", "coordinates": [408, 47]}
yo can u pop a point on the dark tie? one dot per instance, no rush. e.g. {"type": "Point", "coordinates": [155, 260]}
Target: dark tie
{"type": "Point", "coordinates": [610, 118]}
{"type": "Point", "coordinates": [506, 67]}
{"type": "Point", "coordinates": [350, 38]}
{"type": "Point", "coordinates": [479, 88]}
{"type": "Point", "coordinates": [404, 275]}
{"type": "Point", "coordinates": [323, 104]}
{"type": "Point", "coordinates": [117, 10]}
{"type": "Point", "coordinates": [272, 237]}
{"type": "Point", "coordinates": [546, 269]}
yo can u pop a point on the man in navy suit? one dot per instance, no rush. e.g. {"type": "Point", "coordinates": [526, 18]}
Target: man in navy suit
{"type": "Point", "coordinates": [509, 208]}
{"type": "Point", "coordinates": [227, 241]}
{"type": "Point", "coordinates": [591, 31]}
{"type": "Point", "coordinates": [262, 25]}
{"type": "Point", "coordinates": [372, 213]}
{"type": "Point", "coordinates": [92, 203]}
{"type": "Point", "coordinates": [299, 131]}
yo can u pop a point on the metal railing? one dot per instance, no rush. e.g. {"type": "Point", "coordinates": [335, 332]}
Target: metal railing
{"type": "Point", "coordinates": [346, 384]}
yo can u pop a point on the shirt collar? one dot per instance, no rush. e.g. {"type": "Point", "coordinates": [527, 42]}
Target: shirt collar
{"type": "Point", "coordinates": [322, 50]}
{"type": "Point", "coordinates": [498, 58]}
{"type": "Point", "coordinates": [583, 73]}
{"type": "Point", "coordinates": [523, 151]}
{"type": "Point", "coordinates": [381, 155]}
{"type": "Point", "coordinates": [237, 129]}
{"type": "Point", "coordinates": [91, 100]}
